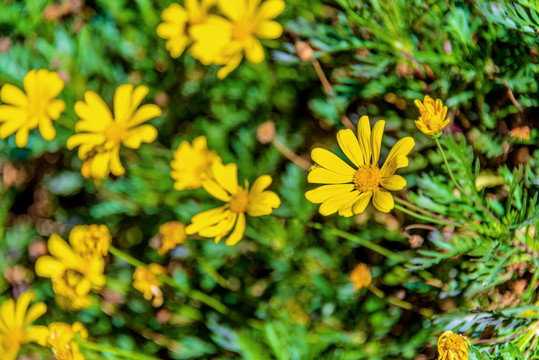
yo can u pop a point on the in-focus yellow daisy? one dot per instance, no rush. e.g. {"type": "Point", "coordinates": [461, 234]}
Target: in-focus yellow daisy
{"type": "Point", "coordinates": [100, 134]}
{"type": "Point", "coordinates": [37, 107]}
{"type": "Point", "coordinates": [73, 275]}
{"type": "Point", "coordinates": [62, 340]}
{"type": "Point", "coordinates": [172, 234]}
{"type": "Point", "coordinates": [452, 347]}
{"type": "Point", "coordinates": [224, 41]}
{"type": "Point", "coordinates": [146, 281]}
{"type": "Point", "coordinates": [90, 241]}
{"type": "Point", "coordinates": [433, 117]}
{"type": "Point", "coordinates": [177, 21]}
{"type": "Point", "coordinates": [16, 327]}
{"type": "Point", "coordinates": [191, 162]}
{"type": "Point", "coordinates": [360, 276]}
{"type": "Point", "coordinates": [351, 188]}
{"type": "Point", "coordinates": [223, 185]}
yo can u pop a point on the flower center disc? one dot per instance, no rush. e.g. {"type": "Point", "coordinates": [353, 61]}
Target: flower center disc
{"type": "Point", "coordinates": [239, 201]}
{"type": "Point", "coordinates": [367, 178]}
{"type": "Point", "coordinates": [115, 132]}
{"type": "Point", "coordinates": [14, 338]}
{"type": "Point", "coordinates": [242, 29]}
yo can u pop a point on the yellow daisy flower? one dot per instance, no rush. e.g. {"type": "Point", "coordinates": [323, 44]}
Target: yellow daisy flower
{"type": "Point", "coordinates": [172, 234]}
{"type": "Point", "coordinates": [35, 108]}
{"type": "Point", "coordinates": [351, 188]}
{"type": "Point", "coordinates": [90, 241]}
{"type": "Point", "coordinates": [177, 22]}
{"type": "Point", "coordinates": [360, 276]}
{"type": "Point", "coordinates": [100, 134]}
{"type": "Point", "coordinates": [73, 275]}
{"type": "Point", "coordinates": [62, 340]}
{"type": "Point", "coordinates": [224, 41]}
{"type": "Point", "coordinates": [191, 162]}
{"type": "Point", "coordinates": [16, 327]}
{"type": "Point", "coordinates": [452, 347]}
{"type": "Point", "coordinates": [147, 282]}
{"type": "Point", "coordinates": [433, 117]}
{"type": "Point", "coordinates": [223, 185]}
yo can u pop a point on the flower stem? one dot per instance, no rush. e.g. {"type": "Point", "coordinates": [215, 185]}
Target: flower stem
{"type": "Point", "coordinates": [461, 189]}
{"type": "Point", "coordinates": [193, 294]}
{"type": "Point", "coordinates": [115, 351]}
{"type": "Point", "coordinates": [398, 302]}
{"type": "Point", "coordinates": [419, 209]}
{"type": "Point", "coordinates": [426, 218]}
{"type": "Point", "coordinates": [210, 270]}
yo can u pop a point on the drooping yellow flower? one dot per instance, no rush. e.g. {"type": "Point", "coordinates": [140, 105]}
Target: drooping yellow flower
{"type": "Point", "coordinates": [100, 134]}
{"type": "Point", "coordinates": [433, 117]}
{"type": "Point", "coordinates": [224, 41]}
{"type": "Point", "coordinates": [360, 276]}
{"type": "Point", "coordinates": [172, 234]}
{"type": "Point", "coordinates": [452, 347]}
{"type": "Point", "coordinates": [191, 162]}
{"type": "Point", "coordinates": [73, 275]}
{"type": "Point", "coordinates": [62, 340]}
{"type": "Point", "coordinates": [522, 133]}
{"type": "Point", "coordinates": [351, 188]}
{"type": "Point", "coordinates": [177, 22]}
{"type": "Point", "coordinates": [223, 185]}
{"type": "Point", "coordinates": [16, 327]}
{"type": "Point", "coordinates": [147, 282]}
{"type": "Point", "coordinates": [90, 241]}
{"type": "Point", "coordinates": [35, 108]}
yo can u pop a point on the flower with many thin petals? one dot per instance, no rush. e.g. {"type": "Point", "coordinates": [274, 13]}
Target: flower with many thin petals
{"type": "Point", "coordinates": [62, 340]}
{"type": "Point", "coordinates": [90, 241]}
{"type": "Point", "coordinates": [100, 134]}
{"type": "Point", "coordinates": [172, 234]}
{"type": "Point", "coordinates": [177, 22]}
{"type": "Point", "coordinates": [146, 281]}
{"type": "Point", "coordinates": [225, 41]}
{"type": "Point", "coordinates": [73, 275]}
{"type": "Point", "coordinates": [223, 185]}
{"type": "Point", "coordinates": [350, 189]}
{"type": "Point", "coordinates": [38, 107]}
{"type": "Point", "coordinates": [452, 347]}
{"type": "Point", "coordinates": [433, 117]}
{"type": "Point", "coordinates": [360, 276]}
{"type": "Point", "coordinates": [191, 162]}
{"type": "Point", "coordinates": [16, 327]}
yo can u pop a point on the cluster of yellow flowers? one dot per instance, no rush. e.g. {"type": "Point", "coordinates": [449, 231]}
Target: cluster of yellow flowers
{"type": "Point", "coordinates": [16, 329]}
{"type": "Point", "coordinates": [221, 40]}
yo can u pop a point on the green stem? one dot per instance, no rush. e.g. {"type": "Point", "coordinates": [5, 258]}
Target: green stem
{"type": "Point", "coordinates": [210, 270]}
{"type": "Point", "coordinates": [426, 218]}
{"type": "Point", "coordinates": [363, 242]}
{"type": "Point", "coordinates": [115, 351]}
{"type": "Point", "coordinates": [193, 294]}
{"type": "Point", "coordinates": [461, 189]}
{"type": "Point", "coordinates": [421, 210]}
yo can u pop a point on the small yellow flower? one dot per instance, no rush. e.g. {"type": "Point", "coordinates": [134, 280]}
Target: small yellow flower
{"type": "Point", "coordinates": [433, 117]}
{"type": "Point", "coordinates": [172, 234]}
{"type": "Point", "coordinates": [191, 162]}
{"type": "Point", "coordinates": [223, 185]}
{"type": "Point", "coordinates": [522, 133]}
{"type": "Point", "coordinates": [452, 346]}
{"type": "Point", "coordinates": [351, 189]}
{"type": "Point", "coordinates": [15, 325]}
{"type": "Point", "coordinates": [73, 275]}
{"type": "Point", "coordinates": [90, 241]}
{"type": "Point", "coordinates": [147, 282]}
{"type": "Point", "coordinates": [177, 21]}
{"type": "Point", "coordinates": [224, 41]}
{"type": "Point", "coordinates": [35, 108]}
{"type": "Point", "coordinates": [100, 134]}
{"type": "Point", "coordinates": [360, 276]}
{"type": "Point", "coordinates": [62, 340]}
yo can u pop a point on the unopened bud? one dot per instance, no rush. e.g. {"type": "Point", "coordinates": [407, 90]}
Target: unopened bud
{"type": "Point", "coordinates": [266, 132]}
{"type": "Point", "coordinates": [304, 51]}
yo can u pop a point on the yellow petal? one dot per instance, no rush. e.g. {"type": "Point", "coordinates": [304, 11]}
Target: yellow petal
{"type": "Point", "coordinates": [52, 84]}
{"type": "Point", "coordinates": [100, 166]}
{"type": "Point", "coordinates": [254, 52]}
{"type": "Point", "coordinates": [230, 66]}
{"type": "Point", "coordinates": [322, 193]}
{"type": "Point", "coordinates": [399, 150]}
{"type": "Point", "coordinates": [394, 182]}
{"type": "Point", "coordinates": [87, 139]}
{"type": "Point", "coordinates": [333, 204]}
{"type": "Point", "coordinates": [145, 113]}
{"type": "Point", "coordinates": [269, 30]}
{"type": "Point", "coordinates": [115, 164]}
{"type": "Point", "coordinates": [233, 9]}
{"type": "Point", "coordinates": [37, 334]}
{"type": "Point", "coordinates": [48, 132]}
{"type": "Point", "coordinates": [270, 9]}
{"type": "Point", "coordinates": [95, 110]}
{"type": "Point", "coordinates": [55, 108]}
{"type": "Point", "coordinates": [261, 183]}
{"type": "Point", "coordinates": [331, 162]}
{"type": "Point", "coordinates": [141, 134]}
{"type": "Point", "coordinates": [7, 313]}
{"type": "Point", "coordinates": [49, 267]}
{"type": "Point", "coordinates": [11, 94]}
{"type": "Point", "coordinates": [221, 228]}
{"type": "Point", "coordinates": [350, 146]}
{"type": "Point", "coordinates": [21, 306]}
{"type": "Point", "coordinates": [226, 176]}
{"type": "Point", "coordinates": [238, 232]}
{"type": "Point", "coordinates": [206, 218]}
{"type": "Point", "coordinates": [361, 204]}
{"type": "Point", "coordinates": [364, 138]}
{"type": "Point", "coordinates": [21, 138]}
{"type": "Point", "coordinates": [263, 203]}
{"type": "Point", "coordinates": [122, 102]}
{"type": "Point", "coordinates": [376, 140]}
{"type": "Point", "coordinates": [383, 200]}
{"type": "Point", "coordinates": [30, 83]}
{"type": "Point", "coordinates": [320, 175]}
{"type": "Point", "coordinates": [34, 313]}
{"type": "Point", "coordinates": [215, 189]}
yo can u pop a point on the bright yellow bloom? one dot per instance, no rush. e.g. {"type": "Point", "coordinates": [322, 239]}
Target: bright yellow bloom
{"type": "Point", "coordinates": [90, 241]}
{"type": "Point", "coordinates": [452, 347]}
{"type": "Point", "coordinates": [73, 274]}
{"type": "Point", "coordinates": [522, 133]}
{"type": "Point", "coordinates": [37, 107]}
{"type": "Point", "coordinates": [351, 188]}
{"type": "Point", "coordinates": [224, 41]}
{"type": "Point", "coordinates": [62, 340]}
{"type": "Point", "coordinates": [191, 162]}
{"type": "Point", "coordinates": [360, 276]}
{"type": "Point", "coordinates": [99, 134]}
{"type": "Point", "coordinates": [172, 234]}
{"type": "Point", "coordinates": [433, 117]}
{"type": "Point", "coordinates": [15, 325]}
{"type": "Point", "coordinates": [223, 185]}
{"type": "Point", "coordinates": [177, 21]}
{"type": "Point", "coordinates": [147, 282]}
